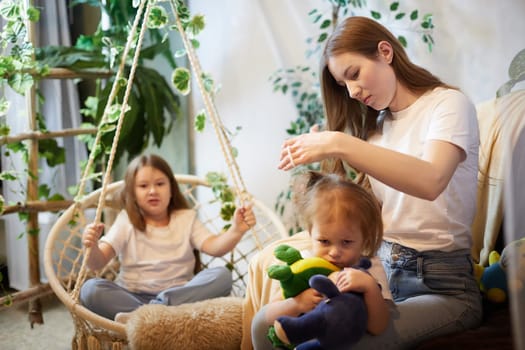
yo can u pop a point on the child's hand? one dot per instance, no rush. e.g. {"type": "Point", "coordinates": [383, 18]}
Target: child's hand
{"type": "Point", "coordinates": [91, 234]}
{"type": "Point", "coordinates": [354, 280]}
{"type": "Point", "coordinates": [307, 300]}
{"type": "Point", "coordinates": [244, 218]}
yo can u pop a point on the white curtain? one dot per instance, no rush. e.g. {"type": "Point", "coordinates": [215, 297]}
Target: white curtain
{"type": "Point", "coordinates": [61, 111]}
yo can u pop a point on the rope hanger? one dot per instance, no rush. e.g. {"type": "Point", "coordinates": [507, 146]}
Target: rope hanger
{"type": "Point", "coordinates": [211, 110]}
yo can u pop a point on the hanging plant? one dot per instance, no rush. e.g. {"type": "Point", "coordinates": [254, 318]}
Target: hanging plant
{"type": "Point", "coordinates": [153, 106]}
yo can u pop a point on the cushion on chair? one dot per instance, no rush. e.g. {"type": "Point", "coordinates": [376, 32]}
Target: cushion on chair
{"type": "Point", "coordinates": [209, 324]}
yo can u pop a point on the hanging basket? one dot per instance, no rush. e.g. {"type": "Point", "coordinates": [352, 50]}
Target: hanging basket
{"type": "Point", "coordinates": [63, 255]}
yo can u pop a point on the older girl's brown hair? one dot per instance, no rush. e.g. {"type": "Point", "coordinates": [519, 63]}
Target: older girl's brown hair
{"type": "Point", "coordinates": [361, 35]}
{"type": "Point", "coordinates": [129, 201]}
{"type": "Point", "coordinates": [346, 201]}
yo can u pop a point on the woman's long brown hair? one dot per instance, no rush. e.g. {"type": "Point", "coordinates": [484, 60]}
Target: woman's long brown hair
{"type": "Point", "coordinates": [361, 35]}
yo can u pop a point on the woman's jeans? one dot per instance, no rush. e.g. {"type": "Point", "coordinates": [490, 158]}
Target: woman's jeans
{"type": "Point", "coordinates": [106, 298]}
{"type": "Point", "coordinates": [435, 293]}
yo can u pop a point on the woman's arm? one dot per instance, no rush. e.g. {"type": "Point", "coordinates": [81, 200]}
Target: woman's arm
{"type": "Point", "coordinates": [434, 170]}
{"type": "Point", "coordinates": [101, 252]}
{"type": "Point", "coordinates": [218, 245]}
{"type": "Point", "coordinates": [355, 280]}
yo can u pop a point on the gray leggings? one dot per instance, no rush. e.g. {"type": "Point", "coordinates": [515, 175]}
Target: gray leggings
{"type": "Point", "coordinates": [106, 298]}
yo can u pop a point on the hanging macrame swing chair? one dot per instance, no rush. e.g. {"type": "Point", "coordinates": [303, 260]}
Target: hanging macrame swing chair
{"type": "Point", "coordinates": [64, 257]}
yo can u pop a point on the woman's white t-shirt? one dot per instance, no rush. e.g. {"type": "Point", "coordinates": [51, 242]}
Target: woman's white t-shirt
{"type": "Point", "coordinates": [160, 257]}
{"type": "Point", "coordinates": [445, 223]}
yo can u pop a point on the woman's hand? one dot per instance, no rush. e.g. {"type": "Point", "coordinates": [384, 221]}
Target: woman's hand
{"type": "Point", "coordinates": [307, 148]}
{"type": "Point", "coordinates": [91, 235]}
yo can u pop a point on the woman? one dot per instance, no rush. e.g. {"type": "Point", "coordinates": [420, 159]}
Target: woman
{"type": "Point", "coordinates": [416, 140]}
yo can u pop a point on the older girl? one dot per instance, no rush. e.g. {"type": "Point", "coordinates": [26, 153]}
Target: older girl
{"type": "Point", "coordinates": [154, 237]}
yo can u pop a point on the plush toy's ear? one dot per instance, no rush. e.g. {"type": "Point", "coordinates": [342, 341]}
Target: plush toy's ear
{"type": "Point", "coordinates": [287, 254]}
{"type": "Point", "coordinates": [323, 285]}
{"type": "Point", "coordinates": [280, 272]}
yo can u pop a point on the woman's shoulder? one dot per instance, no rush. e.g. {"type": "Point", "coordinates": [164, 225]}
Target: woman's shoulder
{"type": "Point", "coordinates": [449, 94]}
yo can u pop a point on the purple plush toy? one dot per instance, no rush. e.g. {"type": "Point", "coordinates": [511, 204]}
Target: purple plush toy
{"type": "Point", "coordinates": [336, 323]}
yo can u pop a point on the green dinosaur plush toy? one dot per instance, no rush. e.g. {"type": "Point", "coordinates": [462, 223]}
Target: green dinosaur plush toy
{"type": "Point", "coordinates": [294, 276]}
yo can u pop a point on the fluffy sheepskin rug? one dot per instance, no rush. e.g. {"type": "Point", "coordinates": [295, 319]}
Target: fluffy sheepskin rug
{"type": "Point", "coordinates": [209, 324]}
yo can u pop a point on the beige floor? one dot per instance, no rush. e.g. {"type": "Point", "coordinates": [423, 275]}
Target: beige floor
{"type": "Point", "coordinates": [56, 332]}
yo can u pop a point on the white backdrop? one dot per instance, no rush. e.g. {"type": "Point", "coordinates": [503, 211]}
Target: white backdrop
{"type": "Point", "coordinates": [245, 41]}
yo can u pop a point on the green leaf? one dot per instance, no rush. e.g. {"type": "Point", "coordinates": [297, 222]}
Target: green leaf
{"type": "Point", "coordinates": [517, 66]}
{"type": "Point", "coordinates": [227, 210]}
{"type": "Point", "coordinates": [200, 121]}
{"type": "Point", "coordinates": [326, 23]}
{"type": "Point", "coordinates": [375, 15]}
{"type": "Point", "coordinates": [34, 231]}
{"type": "Point", "coordinates": [413, 15]}
{"type": "Point", "coordinates": [394, 6]}
{"type": "Point", "coordinates": [196, 25]}
{"type": "Point", "coordinates": [195, 43]}
{"type": "Point", "coordinates": [56, 197]}
{"type": "Point", "coordinates": [21, 82]}
{"type": "Point", "coordinates": [8, 175]}
{"type": "Point", "coordinates": [402, 40]}
{"type": "Point", "coordinates": [208, 82]}
{"type": "Point", "coordinates": [10, 10]}
{"type": "Point", "coordinates": [322, 37]}
{"type": "Point", "coordinates": [113, 113]}
{"type": "Point", "coordinates": [51, 152]}
{"type": "Point", "coordinates": [158, 18]}
{"type": "Point", "coordinates": [33, 14]}
{"type": "Point", "coordinates": [400, 15]}
{"type": "Point", "coordinates": [17, 146]}
{"type": "Point", "coordinates": [4, 107]}
{"type": "Point", "coordinates": [106, 128]}
{"type": "Point", "coordinates": [23, 216]}
{"type": "Point", "coordinates": [43, 191]}
{"type": "Point", "coordinates": [180, 53]}
{"type": "Point", "coordinates": [181, 80]}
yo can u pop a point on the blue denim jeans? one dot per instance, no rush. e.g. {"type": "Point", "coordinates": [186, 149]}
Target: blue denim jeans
{"type": "Point", "coordinates": [106, 298]}
{"type": "Point", "coordinates": [435, 294]}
